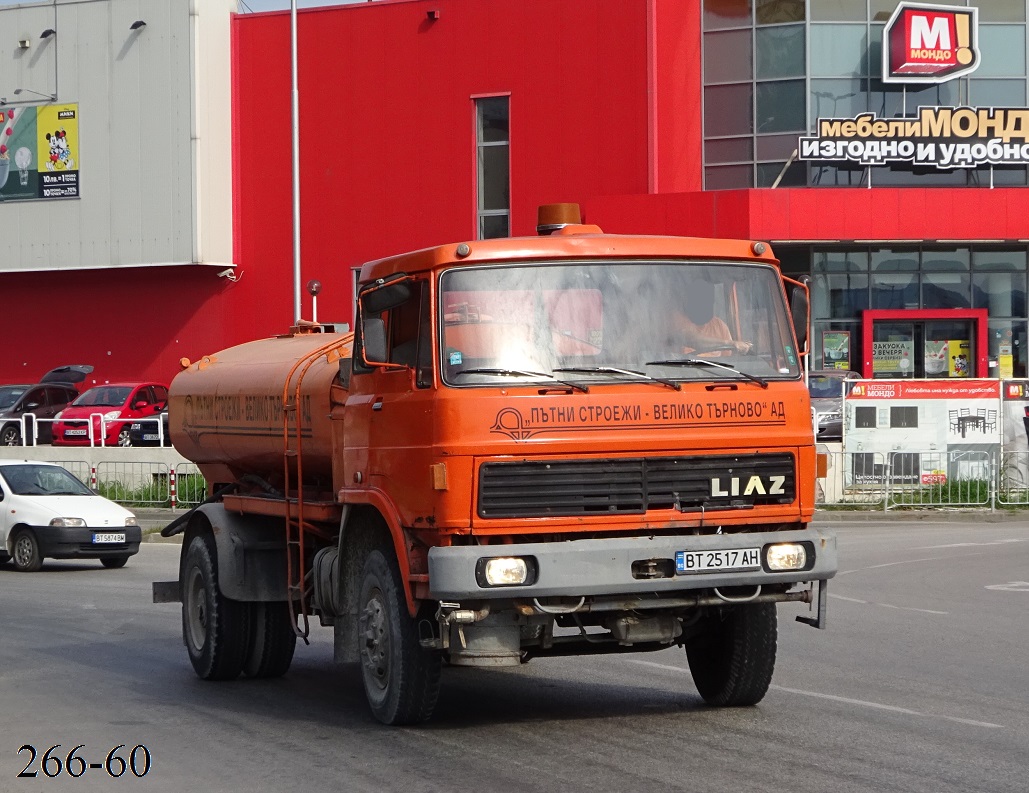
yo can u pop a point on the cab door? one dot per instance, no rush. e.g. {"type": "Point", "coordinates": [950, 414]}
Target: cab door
{"type": "Point", "coordinates": [388, 422]}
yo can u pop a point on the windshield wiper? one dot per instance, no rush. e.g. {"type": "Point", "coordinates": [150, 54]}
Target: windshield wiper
{"type": "Point", "coordinates": [704, 362]}
{"type": "Point", "coordinates": [524, 373]}
{"type": "Point", "coordinates": [623, 372]}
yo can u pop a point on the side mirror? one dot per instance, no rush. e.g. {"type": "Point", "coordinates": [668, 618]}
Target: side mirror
{"type": "Point", "coordinates": [139, 404]}
{"type": "Point", "coordinates": [373, 341]}
{"type": "Point", "coordinates": [30, 406]}
{"type": "Point", "coordinates": [800, 312]}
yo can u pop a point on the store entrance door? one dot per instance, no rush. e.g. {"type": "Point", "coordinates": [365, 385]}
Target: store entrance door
{"type": "Point", "coordinates": [925, 343]}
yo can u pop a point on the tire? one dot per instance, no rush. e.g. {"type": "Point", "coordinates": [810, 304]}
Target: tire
{"type": "Point", "coordinates": [114, 562]}
{"type": "Point", "coordinates": [10, 436]}
{"type": "Point", "coordinates": [124, 437]}
{"type": "Point", "coordinates": [272, 641]}
{"type": "Point", "coordinates": [215, 629]}
{"type": "Point", "coordinates": [25, 552]}
{"type": "Point", "coordinates": [733, 658]}
{"type": "Point", "coordinates": [401, 678]}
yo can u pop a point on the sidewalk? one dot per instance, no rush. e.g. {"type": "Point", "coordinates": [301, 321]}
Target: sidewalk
{"type": "Point", "coordinates": [152, 520]}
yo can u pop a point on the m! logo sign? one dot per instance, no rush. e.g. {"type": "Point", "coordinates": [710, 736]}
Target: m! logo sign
{"type": "Point", "coordinates": [930, 44]}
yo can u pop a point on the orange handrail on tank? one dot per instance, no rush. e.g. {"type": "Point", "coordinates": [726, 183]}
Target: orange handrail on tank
{"type": "Point", "coordinates": [305, 361]}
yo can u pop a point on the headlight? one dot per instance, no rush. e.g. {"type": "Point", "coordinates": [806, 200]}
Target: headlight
{"type": "Point", "coordinates": [131, 521]}
{"type": "Point", "coordinates": [67, 522]}
{"type": "Point", "coordinates": [786, 556]}
{"type": "Point", "coordinates": [59, 414]}
{"type": "Point", "coordinates": [502, 571]}
{"type": "Point", "coordinates": [112, 414]}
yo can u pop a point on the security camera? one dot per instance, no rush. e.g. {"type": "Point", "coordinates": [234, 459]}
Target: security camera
{"type": "Point", "coordinates": [228, 272]}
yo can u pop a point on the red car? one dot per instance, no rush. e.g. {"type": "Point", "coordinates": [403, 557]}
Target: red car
{"type": "Point", "coordinates": [110, 408]}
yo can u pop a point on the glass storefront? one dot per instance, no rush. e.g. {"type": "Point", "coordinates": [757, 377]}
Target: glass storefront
{"type": "Point", "coordinates": [847, 282]}
{"type": "Point", "coordinates": [777, 66]}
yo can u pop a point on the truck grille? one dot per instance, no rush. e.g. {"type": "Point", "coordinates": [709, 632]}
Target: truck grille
{"type": "Point", "coordinates": [630, 486]}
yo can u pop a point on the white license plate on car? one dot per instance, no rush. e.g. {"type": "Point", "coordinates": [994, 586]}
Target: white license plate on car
{"type": "Point", "coordinates": [707, 561]}
{"type": "Point", "coordinates": [150, 437]}
{"type": "Point", "coordinates": [76, 432]}
{"type": "Point", "coordinates": [108, 536]}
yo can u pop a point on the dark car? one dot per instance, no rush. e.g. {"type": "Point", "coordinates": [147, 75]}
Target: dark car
{"type": "Point", "coordinates": [826, 389]}
{"type": "Point", "coordinates": [42, 400]}
{"type": "Point", "coordinates": [151, 432]}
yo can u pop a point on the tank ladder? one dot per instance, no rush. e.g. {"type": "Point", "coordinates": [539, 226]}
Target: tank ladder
{"type": "Point", "coordinates": [298, 585]}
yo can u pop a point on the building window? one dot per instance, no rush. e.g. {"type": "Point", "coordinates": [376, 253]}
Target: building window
{"type": "Point", "coordinates": [493, 151]}
{"type": "Point", "coordinates": [777, 66]}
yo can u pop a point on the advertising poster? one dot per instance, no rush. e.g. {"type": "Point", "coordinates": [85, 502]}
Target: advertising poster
{"type": "Point", "coordinates": [836, 349]}
{"type": "Point", "coordinates": [960, 357]}
{"type": "Point", "coordinates": [937, 358]}
{"type": "Point", "coordinates": [921, 432]}
{"type": "Point", "coordinates": [893, 358]}
{"type": "Point", "coordinates": [1006, 362]}
{"type": "Point", "coordinates": [39, 152]}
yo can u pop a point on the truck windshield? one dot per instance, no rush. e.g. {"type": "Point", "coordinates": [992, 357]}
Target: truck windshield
{"type": "Point", "coordinates": [603, 322]}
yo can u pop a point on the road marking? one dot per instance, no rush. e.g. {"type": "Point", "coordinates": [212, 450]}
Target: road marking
{"type": "Point", "coordinates": [849, 600]}
{"type": "Point", "coordinates": [906, 561]}
{"type": "Point", "coordinates": [970, 544]}
{"type": "Point", "coordinates": [1011, 586]}
{"type": "Point", "coordinates": [887, 605]}
{"type": "Point", "coordinates": [891, 708]}
{"type": "Point", "coordinates": [845, 700]}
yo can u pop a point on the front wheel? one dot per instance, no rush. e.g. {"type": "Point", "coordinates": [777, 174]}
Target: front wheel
{"type": "Point", "coordinates": [401, 678]}
{"type": "Point", "coordinates": [732, 658]}
{"type": "Point", "coordinates": [114, 562]}
{"type": "Point", "coordinates": [215, 628]}
{"type": "Point", "coordinates": [10, 436]}
{"type": "Point", "coordinates": [124, 437]}
{"type": "Point", "coordinates": [26, 552]}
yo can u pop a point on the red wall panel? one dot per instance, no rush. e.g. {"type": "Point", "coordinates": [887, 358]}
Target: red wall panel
{"type": "Point", "coordinates": [388, 164]}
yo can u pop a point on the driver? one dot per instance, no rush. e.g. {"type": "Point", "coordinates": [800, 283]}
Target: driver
{"type": "Point", "coordinates": [700, 329]}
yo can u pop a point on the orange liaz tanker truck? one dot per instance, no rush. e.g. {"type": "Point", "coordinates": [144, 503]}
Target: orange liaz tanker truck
{"type": "Point", "coordinates": [568, 444]}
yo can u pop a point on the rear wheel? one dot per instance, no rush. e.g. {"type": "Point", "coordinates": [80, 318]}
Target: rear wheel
{"type": "Point", "coordinates": [272, 640]}
{"type": "Point", "coordinates": [215, 628]}
{"type": "Point", "coordinates": [26, 552]}
{"type": "Point", "coordinates": [10, 436]}
{"type": "Point", "coordinates": [733, 657]}
{"type": "Point", "coordinates": [114, 562]}
{"type": "Point", "coordinates": [401, 678]}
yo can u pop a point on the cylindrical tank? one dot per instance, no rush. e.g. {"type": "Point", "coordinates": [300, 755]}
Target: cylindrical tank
{"type": "Point", "coordinates": [226, 410]}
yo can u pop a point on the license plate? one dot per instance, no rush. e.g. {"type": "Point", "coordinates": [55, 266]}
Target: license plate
{"type": "Point", "coordinates": [76, 432]}
{"type": "Point", "coordinates": [150, 438]}
{"type": "Point", "coordinates": [105, 537]}
{"type": "Point", "coordinates": [706, 561]}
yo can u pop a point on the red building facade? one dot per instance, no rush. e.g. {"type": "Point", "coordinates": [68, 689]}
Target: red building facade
{"type": "Point", "coordinates": [620, 105]}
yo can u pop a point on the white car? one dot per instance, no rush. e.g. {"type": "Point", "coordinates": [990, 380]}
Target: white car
{"type": "Point", "coordinates": [45, 512]}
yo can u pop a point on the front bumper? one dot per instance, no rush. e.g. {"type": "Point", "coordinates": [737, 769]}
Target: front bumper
{"type": "Point", "coordinates": [578, 568]}
{"type": "Point", "coordinates": [60, 542]}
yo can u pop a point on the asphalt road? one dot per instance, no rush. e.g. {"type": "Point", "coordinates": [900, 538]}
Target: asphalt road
{"type": "Point", "coordinates": [919, 684]}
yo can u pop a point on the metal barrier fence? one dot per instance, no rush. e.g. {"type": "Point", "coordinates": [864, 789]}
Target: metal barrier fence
{"type": "Point", "coordinates": [143, 484]}
{"type": "Point", "coordinates": [93, 431]}
{"type": "Point", "coordinates": [890, 480]}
